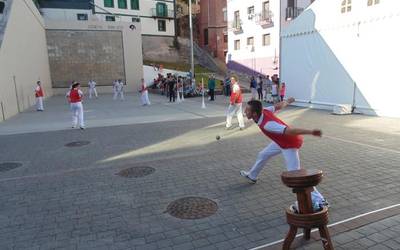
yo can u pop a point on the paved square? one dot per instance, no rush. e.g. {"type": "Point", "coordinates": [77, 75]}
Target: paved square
{"type": "Point", "coordinates": [73, 198]}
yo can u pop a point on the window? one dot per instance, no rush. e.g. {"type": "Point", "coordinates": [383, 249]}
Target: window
{"type": "Point", "coordinates": [2, 5]}
{"type": "Point", "coordinates": [162, 25]}
{"type": "Point", "coordinates": [250, 41]}
{"type": "Point", "coordinates": [135, 19]}
{"type": "Point", "coordinates": [225, 14]}
{"type": "Point", "coordinates": [110, 18]}
{"type": "Point", "coordinates": [266, 39]}
{"type": "Point", "coordinates": [250, 12]}
{"type": "Point", "coordinates": [134, 4]}
{"type": "Point", "coordinates": [161, 9]}
{"type": "Point", "coordinates": [225, 38]}
{"type": "Point", "coordinates": [82, 17]}
{"type": "Point", "coordinates": [122, 4]}
{"type": "Point", "coordinates": [265, 10]}
{"type": "Point", "coordinates": [205, 36]}
{"type": "Point", "coordinates": [346, 6]}
{"type": "Point", "coordinates": [236, 20]}
{"type": "Point", "coordinates": [372, 2]}
{"type": "Point", "coordinates": [237, 44]}
{"type": "Point", "coordinates": [109, 3]}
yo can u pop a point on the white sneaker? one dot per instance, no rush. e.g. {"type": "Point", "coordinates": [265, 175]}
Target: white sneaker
{"type": "Point", "coordinates": [246, 175]}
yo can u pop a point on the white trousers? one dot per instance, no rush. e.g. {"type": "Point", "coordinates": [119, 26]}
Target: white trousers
{"type": "Point", "coordinates": [145, 98]}
{"type": "Point", "coordinates": [254, 93]}
{"type": "Point", "coordinates": [119, 93]}
{"type": "Point", "coordinates": [232, 110]}
{"type": "Point", "coordinates": [292, 161]}
{"type": "Point", "coordinates": [77, 114]}
{"type": "Point", "coordinates": [39, 103]}
{"type": "Point", "coordinates": [92, 91]}
{"type": "Point", "coordinates": [264, 94]}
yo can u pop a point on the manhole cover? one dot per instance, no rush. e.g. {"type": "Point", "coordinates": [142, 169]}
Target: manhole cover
{"type": "Point", "coordinates": [6, 166]}
{"type": "Point", "coordinates": [77, 143]}
{"type": "Point", "coordinates": [136, 172]}
{"type": "Point", "coordinates": [192, 208]}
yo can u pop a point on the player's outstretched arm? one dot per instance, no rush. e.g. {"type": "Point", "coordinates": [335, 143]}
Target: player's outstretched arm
{"type": "Point", "coordinates": [284, 104]}
{"type": "Point", "coordinates": [300, 131]}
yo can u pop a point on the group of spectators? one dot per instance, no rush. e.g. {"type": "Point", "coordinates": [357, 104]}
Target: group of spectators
{"type": "Point", "coordinates": [267, 89]}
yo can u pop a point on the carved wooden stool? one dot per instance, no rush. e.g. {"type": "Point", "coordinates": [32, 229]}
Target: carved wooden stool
{"type": "Point", "coordinates": [303, 182]}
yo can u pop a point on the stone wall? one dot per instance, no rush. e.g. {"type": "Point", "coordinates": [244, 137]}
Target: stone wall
{"type": "Point", "coordinates": [83, 55]}
{"type": "Point", "coordinates": [104, 51]}
{"type": "Point", "coordinates": [157, 48]}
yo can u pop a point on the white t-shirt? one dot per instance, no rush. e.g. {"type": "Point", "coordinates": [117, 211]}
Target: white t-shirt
{"type": "Point", "coordinates": [274, 89]}
{"type": "Point", "coordinates": [92, 84]}
{"type": "Point", "coordinates": [272, 126]}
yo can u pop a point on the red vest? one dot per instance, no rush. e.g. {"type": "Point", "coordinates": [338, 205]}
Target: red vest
{"type": "Point", "coordinates": [284, 141]}
{"type": "Point", "coordinates": [74, 96]}
{"type": "Point", "coordinates": [39, 93]}
{"type": "Point", "coordinates": [236, 97]}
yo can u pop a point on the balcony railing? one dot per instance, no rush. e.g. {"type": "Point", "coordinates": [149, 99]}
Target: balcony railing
{"type": "Point", "coordinates": [236, 26]}
{"type": "Point", "coordinates": [293, 12]}
{"type": "Point", "coordinates": [162, 14]}
{"type": "Point", "coordinates": [265, 19]}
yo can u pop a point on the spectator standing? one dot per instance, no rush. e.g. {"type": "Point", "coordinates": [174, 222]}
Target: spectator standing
{"type": "Point", "coordinates": [211, 87]}
{"type": "Point", "coordinates": [253, 88]}
{"type": "Point", "coordinates": [283, 91]}
{"type": "Point", "coordinates": [259, 87]}
{"type": "Point", "coordinates": [171, 88]}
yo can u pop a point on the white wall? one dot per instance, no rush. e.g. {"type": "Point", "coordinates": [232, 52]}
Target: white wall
{"type": "Point", "coordinates": [65, 14]}
{"type": "Point", "coordinates": [149, 24]}
{"type": "Point", "coordinates": [252, 29]}
{"type": "Point", "coordinates": [326, 62]}
{"type": "Point", "coordinates": [23, 58]}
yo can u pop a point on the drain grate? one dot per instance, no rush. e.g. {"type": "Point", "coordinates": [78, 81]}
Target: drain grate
{"type": "Point", "coordinates": [77, 143]}
{"type": "Point", "coordinates": [192, 208]}
{"type": "Point", "coordinates": [7, 166]}
{"type": "Point", "coordinates": [136, 172]}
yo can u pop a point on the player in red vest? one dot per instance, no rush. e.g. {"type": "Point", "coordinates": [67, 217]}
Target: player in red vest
{"type": "Point", "coordinates": [75, 96]}
{"type": "Point", "coordinates": [235, 104]}
{"type": "Point", "coordinates": [39, 96]}
{"type": "Point", "coordinates": [285, 140]}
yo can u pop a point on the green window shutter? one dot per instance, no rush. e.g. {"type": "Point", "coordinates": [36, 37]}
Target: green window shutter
{"type": "Point", "coordinates": [134, 4]}
{"type": "Point", "coordinates": [161, 9]}
{"type": "Point", "coordinates": [109, 3]}
{"type": "Point", "coordinates": [122, 4]}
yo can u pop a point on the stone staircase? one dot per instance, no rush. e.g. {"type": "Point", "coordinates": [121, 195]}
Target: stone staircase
{"type": "Point", "coordinates": [206, 60]}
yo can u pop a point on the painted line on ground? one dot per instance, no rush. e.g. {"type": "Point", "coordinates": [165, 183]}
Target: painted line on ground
{"type": "Point", "coordinates": [330, 225]}
{"type": "Point", "coordinates": [362, 144]}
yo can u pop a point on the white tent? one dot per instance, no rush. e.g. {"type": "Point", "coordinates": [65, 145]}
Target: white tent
{"type": "Point", "coordinates": [330, 58]}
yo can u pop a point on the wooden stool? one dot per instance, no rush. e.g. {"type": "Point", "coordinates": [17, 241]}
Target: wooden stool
{"type": "Point", "coordinates": [303, 182]}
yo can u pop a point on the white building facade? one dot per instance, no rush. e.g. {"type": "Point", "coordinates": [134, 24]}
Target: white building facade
{"type": "Point", "coordinates": [157, 18]}
{"type": "Point", "coordinates": [343, 52]}
{"type": "Point", "coordinates": [253, 33]}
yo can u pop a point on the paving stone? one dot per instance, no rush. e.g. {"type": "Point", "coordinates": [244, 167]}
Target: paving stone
{"type": "Point", "coordinates": [73, 197]}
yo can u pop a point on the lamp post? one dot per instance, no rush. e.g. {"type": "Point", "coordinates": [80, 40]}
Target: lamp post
{"type": "Point", "coordinates": [191, 42]}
